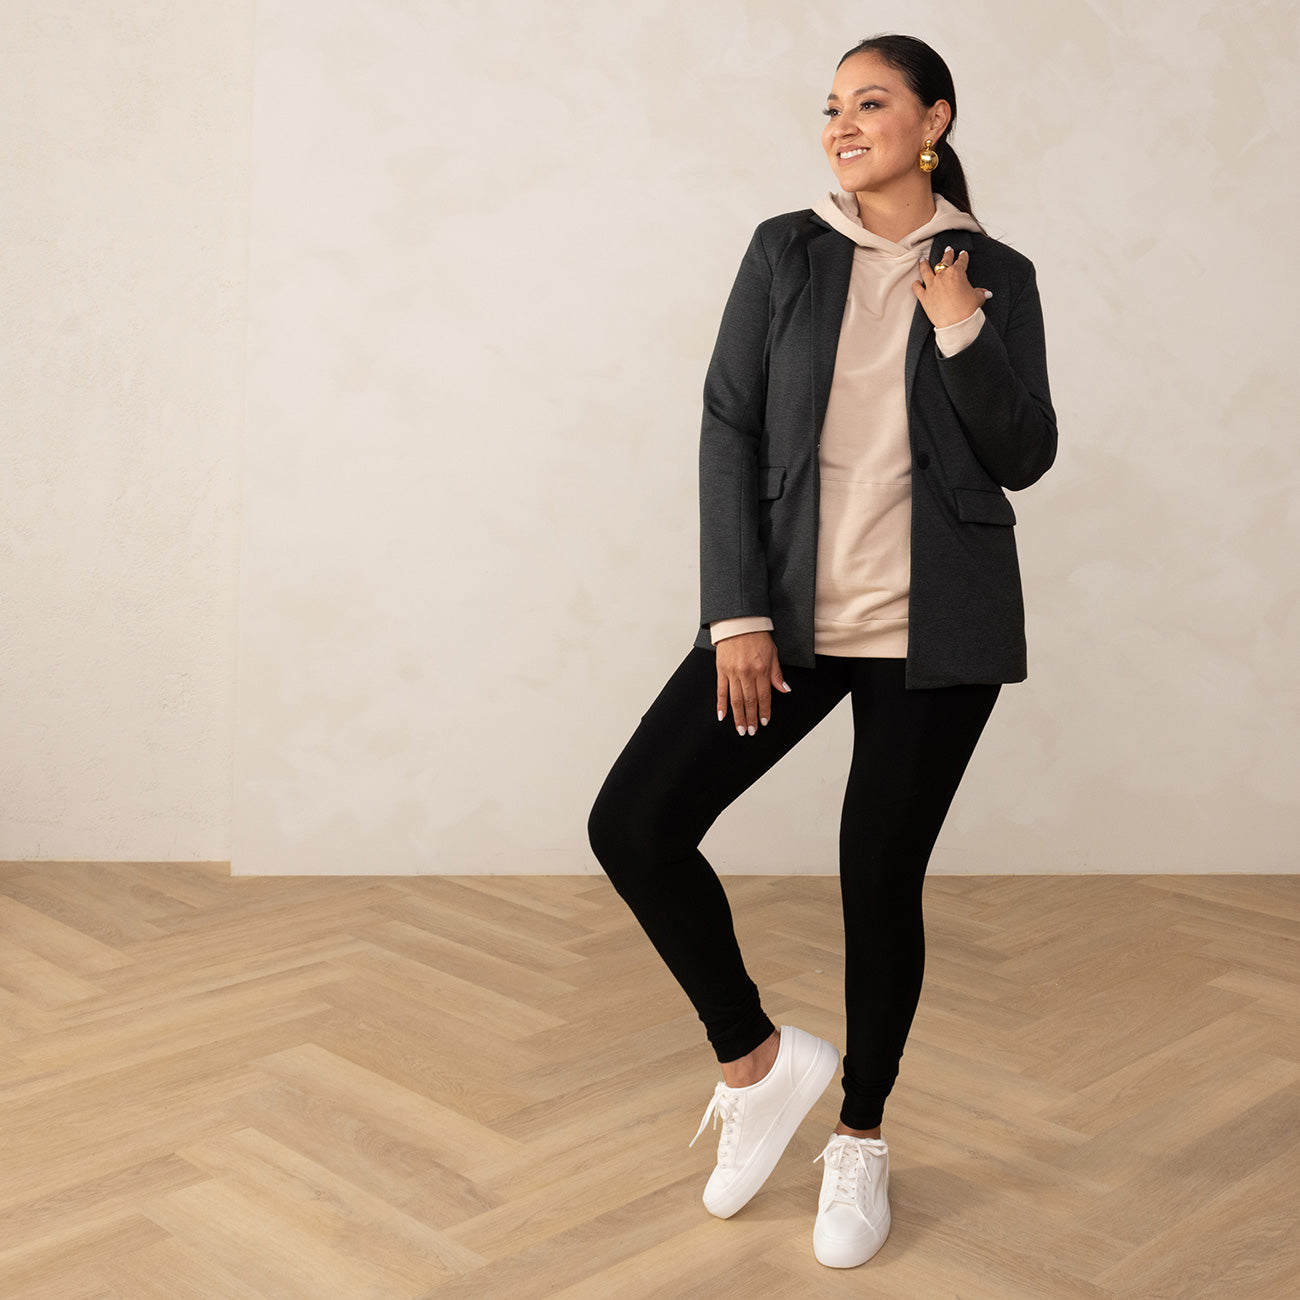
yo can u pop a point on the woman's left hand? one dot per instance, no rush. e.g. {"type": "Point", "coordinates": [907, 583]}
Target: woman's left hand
{"type": "Point", "coordinates": [948, 296]}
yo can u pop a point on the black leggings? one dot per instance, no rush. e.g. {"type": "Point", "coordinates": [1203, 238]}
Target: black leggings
{"type": "Point", "coordinates": [682, 767]}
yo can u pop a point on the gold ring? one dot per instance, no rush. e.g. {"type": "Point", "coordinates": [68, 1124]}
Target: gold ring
{"type": "Point", "coordinates": [940, 266]}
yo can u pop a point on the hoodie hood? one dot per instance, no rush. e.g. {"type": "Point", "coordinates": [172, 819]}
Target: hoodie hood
{"type": "Point", "coordinates": [839, 209]}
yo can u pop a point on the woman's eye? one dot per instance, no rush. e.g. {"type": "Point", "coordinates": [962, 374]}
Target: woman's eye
{"type": "Point", "coordinates": [866, 103]}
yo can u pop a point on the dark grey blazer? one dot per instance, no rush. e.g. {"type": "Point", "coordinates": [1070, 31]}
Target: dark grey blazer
{"type": "Point", "coordinates": [979, 421]}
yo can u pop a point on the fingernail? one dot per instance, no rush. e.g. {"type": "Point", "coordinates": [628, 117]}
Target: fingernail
{"type": "Point", "coordinates": [947, 248]}
{"type": "Point", "coordinates": [752, 729]}
{"type": "Point", "coordinates": [763, 721]}
{"type": "Point", "coordinates": [785, 686]}
{"type": "Point", "coordinates": [988, 293]}
{"type": "Point", "coordinates": [722, 713]}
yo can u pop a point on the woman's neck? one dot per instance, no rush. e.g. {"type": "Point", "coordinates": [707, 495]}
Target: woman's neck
{"type": "Point", "coordinates": [894, 215]}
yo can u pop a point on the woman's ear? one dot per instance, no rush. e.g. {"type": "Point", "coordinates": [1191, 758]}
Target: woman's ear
{"type": "Point", "coordinates": [939, 116]}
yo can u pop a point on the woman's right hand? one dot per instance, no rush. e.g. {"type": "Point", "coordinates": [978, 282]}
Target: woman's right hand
{"type": "Point", "coordinates": [748, 668]}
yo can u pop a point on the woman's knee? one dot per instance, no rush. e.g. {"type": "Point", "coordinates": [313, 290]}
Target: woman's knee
{"type": "Point", "coordinates": [610, 830]}
{"type": "Point", "coordinates": [604, 826]}
{"type": "Point", "coordinates": [630, 833]}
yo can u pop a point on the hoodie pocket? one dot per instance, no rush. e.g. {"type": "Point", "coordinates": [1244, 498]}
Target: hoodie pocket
{"type": "Point", "coordinates": [978, 506]}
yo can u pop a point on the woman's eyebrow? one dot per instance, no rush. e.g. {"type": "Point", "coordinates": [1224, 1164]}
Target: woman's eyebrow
{"type": "Point", "coordinates": [861, 90]}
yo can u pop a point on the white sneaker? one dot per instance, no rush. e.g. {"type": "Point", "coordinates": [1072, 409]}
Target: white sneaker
{"type": "Point", "coordinates": [758, 1121]}
{"type": "Point", "coordinates": [853, 1212]}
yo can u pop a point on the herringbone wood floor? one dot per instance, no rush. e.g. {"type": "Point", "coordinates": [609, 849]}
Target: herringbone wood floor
{"type": "Point", "coordinates": [398, 1087]}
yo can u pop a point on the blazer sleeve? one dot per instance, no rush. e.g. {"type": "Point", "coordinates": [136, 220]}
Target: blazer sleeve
{"type": "Point", "coordinates": [998, 385]}
{"type": "Point", "coordinates": [733, 567]}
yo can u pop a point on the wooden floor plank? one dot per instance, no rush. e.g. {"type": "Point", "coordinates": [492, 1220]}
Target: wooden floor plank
{"type": "Point", "coordinates": [65, 1261]}
{"type": "Point", "coordinates": [170, 1270]}
{"type": "Point", "coordinates": [402, 1088]}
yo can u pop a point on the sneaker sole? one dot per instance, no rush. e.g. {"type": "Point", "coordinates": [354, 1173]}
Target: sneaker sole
{"type": "Point", "coordinates": [816, 1079]}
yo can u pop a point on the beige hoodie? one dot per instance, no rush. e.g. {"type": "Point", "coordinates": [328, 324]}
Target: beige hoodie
{"type": "Point", "coordinates": [865, 458]}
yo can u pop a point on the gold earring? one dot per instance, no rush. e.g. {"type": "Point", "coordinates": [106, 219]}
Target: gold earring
{"type": "Point", "coordinates": [928, 159]}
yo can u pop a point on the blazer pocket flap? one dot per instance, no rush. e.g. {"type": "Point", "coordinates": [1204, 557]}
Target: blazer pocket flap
{"type": "Point", "coordinates": [771, 482]}
{"type": "Point", "coordinates": [978, 506]}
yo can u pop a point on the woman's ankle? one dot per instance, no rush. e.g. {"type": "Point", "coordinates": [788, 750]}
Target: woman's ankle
{"type": "Point", "coordinates": [748, 1070]}
{"type": "Point", "coordinates": [843, 1129]}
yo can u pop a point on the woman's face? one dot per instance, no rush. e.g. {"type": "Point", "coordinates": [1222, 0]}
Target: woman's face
{"type": "Point", "coordinates": [874, 118]}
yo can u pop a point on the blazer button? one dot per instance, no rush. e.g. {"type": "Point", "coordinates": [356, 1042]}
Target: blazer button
{"type": "Point", "coordinates": [922, 461]}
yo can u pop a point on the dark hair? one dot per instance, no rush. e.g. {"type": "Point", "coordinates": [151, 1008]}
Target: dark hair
{"type": "Point", "coordinates": [928, 78]}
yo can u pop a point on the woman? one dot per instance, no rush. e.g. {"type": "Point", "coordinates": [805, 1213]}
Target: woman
{"type": "Point", "coordinates": [879, 378]}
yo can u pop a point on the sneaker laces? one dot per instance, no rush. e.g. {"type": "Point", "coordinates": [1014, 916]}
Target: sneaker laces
{"type": "Point", "coordinates": [846, 1156]}
{"type": "Point", "coordinates": [726, 1104]}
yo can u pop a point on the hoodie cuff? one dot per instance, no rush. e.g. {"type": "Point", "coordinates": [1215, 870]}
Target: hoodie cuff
{"type": "Point", "coordinates": [952, 338]}
{"type": "Point", "coordinates": [725, 627]}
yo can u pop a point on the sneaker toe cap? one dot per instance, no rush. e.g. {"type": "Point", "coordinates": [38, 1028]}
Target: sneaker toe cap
{"type": "Point", "coordinates": [721, 1196]}
{"type": "Point", "coordinates": [843, 1225]}
{"type": "Point", "coordinates": [847, 1241]}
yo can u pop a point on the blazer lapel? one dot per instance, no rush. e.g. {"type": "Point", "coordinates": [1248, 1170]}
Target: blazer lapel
{"type": "Point", "coordinates": [922, 329]}
{"type": "Point", "coordinates": [830, 264]}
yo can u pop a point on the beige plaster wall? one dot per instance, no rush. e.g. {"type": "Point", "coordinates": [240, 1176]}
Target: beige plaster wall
{"type": "Point", "coordinates": [124, 137]}
{"type": "Point", "coordinates": [487, 248]}
{"type": "Point", "coordinates": [490, 248]}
